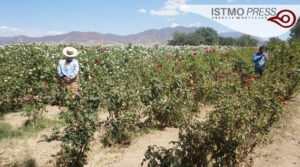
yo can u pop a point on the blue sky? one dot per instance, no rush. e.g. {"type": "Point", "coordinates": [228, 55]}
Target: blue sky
{"type": "Point", "coordinates": [52, 17]}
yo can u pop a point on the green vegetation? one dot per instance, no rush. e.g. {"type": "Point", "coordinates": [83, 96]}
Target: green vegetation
{"type": "Point", "coordinates": [242, 117]}
{"type": "Point", "coordinates": [295, 32]}
{"type": "Point", "coordinates": [155, 87]}
{"type": "Point", "coordinates": [209, 36]}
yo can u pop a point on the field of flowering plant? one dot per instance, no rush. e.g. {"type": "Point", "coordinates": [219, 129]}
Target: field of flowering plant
{"type": "Point", "coordinates": [156, 87]}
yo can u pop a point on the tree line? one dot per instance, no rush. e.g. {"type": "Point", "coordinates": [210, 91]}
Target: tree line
{"type": "Point", "coordinates": [295, 32]}
{"type": "Point", "coordinates": [209, 36]}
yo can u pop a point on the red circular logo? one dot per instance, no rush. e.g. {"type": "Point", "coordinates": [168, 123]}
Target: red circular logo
{"type": "Point", "coordinates": [284, 18]}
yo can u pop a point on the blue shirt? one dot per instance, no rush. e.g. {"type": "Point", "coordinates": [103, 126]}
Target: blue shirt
{"type": "Point", "coordinates": [260, 60]}
{"type": "Point", "coordinates": [70, 70]}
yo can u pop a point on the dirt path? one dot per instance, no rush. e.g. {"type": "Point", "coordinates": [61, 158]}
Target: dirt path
{"type": "Point", "coordinates": [134, 154]}
{"type": "Point", "coordinates": [284, 150]}
{"type": "Point", "coordinates": [17, 119]}
{"type": "Point", "coordinates": [41, 149]}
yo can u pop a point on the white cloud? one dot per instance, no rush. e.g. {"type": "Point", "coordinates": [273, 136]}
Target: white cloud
{"type": "Point", "coordinates": [174, 25]}
{"type": "Point", "coordinates": [54, 32]}
{"type": "Point", "coordinates": [142, 10]}
{"type": "Point", "coordinates": [195, 24]}
{"type": "Point", "coordinates": [164, 12]}
{"type": "Point", "coordinates": [5, 28]}
{"type": "Point", "coordinates": [170, 9]}
{"type": "Point", "coordinates": [170, 19]}
{"type": "Point", "coordinates": [13, 31]}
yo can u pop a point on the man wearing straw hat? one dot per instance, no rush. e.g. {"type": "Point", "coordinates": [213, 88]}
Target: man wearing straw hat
{"type": "Point", "coordinates": [68, 69]}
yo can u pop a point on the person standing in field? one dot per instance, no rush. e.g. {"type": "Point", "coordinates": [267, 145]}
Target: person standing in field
{"type": "Point", "coordinates": [260, 60]}
{"type": "Point", "coordinates": [68, 69]}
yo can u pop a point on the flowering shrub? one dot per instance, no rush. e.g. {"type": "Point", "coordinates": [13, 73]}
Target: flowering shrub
{"type": "Point", "coordinates": [164, 103]}
{"type": "Point", "coordinates": [239, 122]}
{"type": "Point", "coordinates": [156, 87]}
{"type": "Point", "coordinates": [81, 120]}
{"type": "Point", "coordinates": [124, 120]}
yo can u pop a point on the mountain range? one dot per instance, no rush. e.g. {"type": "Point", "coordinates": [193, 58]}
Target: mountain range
{"type": "Point", "coordinates": [148, 37]}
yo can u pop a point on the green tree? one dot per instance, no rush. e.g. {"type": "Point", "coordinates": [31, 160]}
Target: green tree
{"type": "Point", "coordinates": [295, 32]}
{"type": "Point", "coordinates": [246, 40]}
{"type": "Point", "coordinates": [195, 39]}
{"type": "Point", "coordinates": [229, 41]}
{"type": "Point", "coordinates": [210, 35]}
{"type": "Point", "coordinates": [178, 39]}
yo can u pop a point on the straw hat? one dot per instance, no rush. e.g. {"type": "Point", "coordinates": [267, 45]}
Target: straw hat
{"type": "Point", "coordinates": [70, 52]}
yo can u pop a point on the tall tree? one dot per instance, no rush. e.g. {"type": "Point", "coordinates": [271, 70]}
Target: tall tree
{"type": "Point", "coordinates": [229, 41]}
{"type": "Point", "coordinates": [210, 35]}
{"type": "Point", "coordinates": [195, 39]}
{"type": "Point", "coordinates": [246, 40]}
{"type": "Point", "coordinates": [295, 32]}
{"type": "Point", "coordinates": [178, 39]}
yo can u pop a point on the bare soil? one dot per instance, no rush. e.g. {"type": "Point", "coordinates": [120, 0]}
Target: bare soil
{"type": "Point", "coordinates": [39, 148]}
{"type": "Point", "coordinates": [133, 155]}
{"type": "Point", "coordinates": [16, 120]}
{"type": "Point", "coordinates": [284, 147]}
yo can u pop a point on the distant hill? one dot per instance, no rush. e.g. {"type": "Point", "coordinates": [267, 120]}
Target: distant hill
{"type": "Point", "coordinates": [146, 37]}
{"type": "Point", "coordinates": [153, 36]}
